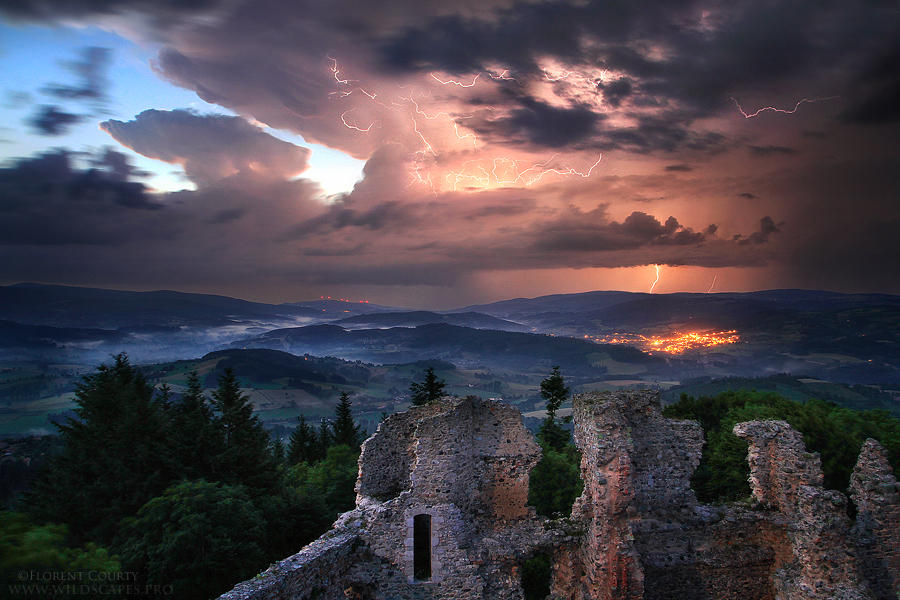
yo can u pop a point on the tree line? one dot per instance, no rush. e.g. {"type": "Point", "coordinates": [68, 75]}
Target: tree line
{"type": "Point", "coordinates": [189, 493]}
{"type": "Point", "coordinates": [192, 493]}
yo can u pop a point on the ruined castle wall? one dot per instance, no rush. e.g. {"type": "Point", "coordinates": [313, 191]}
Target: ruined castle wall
{"type": "Point", "coordinates": [469, 473]}
{"type": "Point", "coordinates": [505, 453]}
{"type": "Point", "coordinates": [318, 572]}
{"type": "Point", "coordinates": [876, 494]}
{"type": "Point", "coordinates": [606, 564]}
{"type": "Point", "coordinates": [388, 456]}
{"type": "Point", "coordinates": [636, 532]}
{"type": "Point", "coordinates": [646, 535]}
{"type": "Point", "coordinates": [779, 463]}
{"type": "Point", "coordinates": [787, 477]}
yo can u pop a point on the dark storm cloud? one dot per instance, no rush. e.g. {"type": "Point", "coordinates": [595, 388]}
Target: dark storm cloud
{"type": "Point", "coordinates": [616, 91]}
{"type": "Point", "coordinates": [548, 126]}
{"type": "Point", "coordinates": [593, 232]}
{"type": "Point", "coordinates": [841, 233]}
{"type": "Point", "coordinates": [53, 120]}
{"type": "Point", "coordinates": [385, 215]}
{"type": "Point", "coordinates": [210, 147]}
{"type": "Point", "coordinates": [46, 200]}
{"type": "Point", "coordinates": [881, 100]}
{"type": "Point", "coordinates": [54, 10]}
{"type": "Point", "coordinates": [228, 215]}
{"type": "Point", "coordinates": [767, 227]}
{"type": "Point", "coordinates": [763, 151]}
{"type": "Point", "coordinates": [90, 87]}
{"type": "Point", "coordinates": [668, 70]}
{"type": "Point", "coordinates": [90, 70]}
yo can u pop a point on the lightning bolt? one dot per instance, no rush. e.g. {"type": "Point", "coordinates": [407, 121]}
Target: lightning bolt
{"type": "Point", "coordinates": [520, 176]}
{"type": "Point", "coordinates": [558, 78]}
{"type": "Point", "coordinates": [653, 285]}
{"type": "Point", "coordinates": [787, 111]}
{"type": "Point", "coordinates": [335, 70]}
{"type": "Point", "coordinates": [454, 82]}
{"type": "Point", "coordinates": [713, 284]}
{"type": "Point", "coordinates": [503, 76]}
{"type": "Point", "coordinates": [423, 164]}
{"type": "Point", "coordinates": [351, 125]}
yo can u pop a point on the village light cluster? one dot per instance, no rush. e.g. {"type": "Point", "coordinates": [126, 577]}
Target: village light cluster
{"type": "Point", "coordinates": [676, 343]}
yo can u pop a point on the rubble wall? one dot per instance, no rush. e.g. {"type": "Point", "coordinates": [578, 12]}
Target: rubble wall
{"type": "Point", "coordinates": [636, 532]}
{"type": "Point", "coordinates": [876, 494]}
{"type": "Point", "coordinates": [318, 572]}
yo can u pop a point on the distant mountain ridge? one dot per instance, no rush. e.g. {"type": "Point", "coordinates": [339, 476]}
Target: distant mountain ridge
{"type": "Point", "coordinates": [456, 344]}
{"type": "Point", "coordinates": [421, 317]}
{"type": "Point", "coordinates": [852, 338]}
{"type": "Point", "coordinates": [68, 306]}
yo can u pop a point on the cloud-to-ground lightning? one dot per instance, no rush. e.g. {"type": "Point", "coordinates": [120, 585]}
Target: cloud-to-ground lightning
{"type": "Point", "coordinates": [788, 111]}
{"type": "Point", "coordinates": [713, 284]}
{"type": "Point", "coordinates": [655, 281]}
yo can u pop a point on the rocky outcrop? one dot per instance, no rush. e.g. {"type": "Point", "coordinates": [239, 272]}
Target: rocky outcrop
{"type": "Point", "coordinates": [442, 514]}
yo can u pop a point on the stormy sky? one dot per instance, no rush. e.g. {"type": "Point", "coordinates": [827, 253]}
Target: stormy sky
{"type": "Point", "coordinates": [433, 154]}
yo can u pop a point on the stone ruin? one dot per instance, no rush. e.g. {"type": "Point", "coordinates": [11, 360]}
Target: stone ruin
{"type": "Point", "coordinates": [441, 513]}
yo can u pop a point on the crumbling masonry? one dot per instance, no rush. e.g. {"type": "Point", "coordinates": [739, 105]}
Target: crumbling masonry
{"type": "Point", "coordinates": [441, 513]}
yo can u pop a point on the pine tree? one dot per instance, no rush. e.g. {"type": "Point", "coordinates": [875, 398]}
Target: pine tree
{"type": "Point", "coordinates": [555, 392]}
{"type": "Point", "coordinates": [325, 440]}
{"type": "Point", "coordinates": [428, 391]}
{"type": "Point", "coordinates": [302, 447]}
{"type": "Point", "coordinates": [246, 459]}
{"type": "Point", "coordinates": [278, 451]}
{"type": "Point", "coordinates": [346, 431]}
{"type": "Point", "coordinates": [196, 440]}
{"type": "Point", "coordinates": [115, 458]}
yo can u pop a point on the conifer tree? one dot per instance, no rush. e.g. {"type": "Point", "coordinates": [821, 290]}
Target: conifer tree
{"type": "Point", "coordinates": [279, 452]}
{"type": "Point", "coordinates": [428, 391]}
{"type": "Point", "coordinates": [346, 431]}
{"type": "Point", "coordinates": [302, 446]}
{"type": "Point", "coordinates": [325, 439]}
{"type": "Point", "coordinates": [115, 457]}
{"type": "Point", "coordinates": [195, 437]}
{"type": "Point", "coordinates": [245, 459]}
{"type": "Point", "coordinates": [555, 392]}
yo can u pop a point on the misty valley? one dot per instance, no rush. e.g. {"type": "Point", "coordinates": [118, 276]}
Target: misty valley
{"type": "Point", "coordinates": [293, 359]}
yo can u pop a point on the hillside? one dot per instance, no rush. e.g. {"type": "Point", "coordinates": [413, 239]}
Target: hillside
{"type": "Point", "coordinates": [415, 318]}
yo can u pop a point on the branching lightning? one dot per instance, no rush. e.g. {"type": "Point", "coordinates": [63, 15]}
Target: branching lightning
{"type": "Point", "coordinates": [787, 111]}
{"type": "Point", "coordinates": [501, 170]}
{"type": "Point", "coordinates": [565, 75]}
{"type": "Point", "coordinates": [655, 281]}
{"type": "Point", "coordinates": [454, 82]}
{"type": "Point", "coordinates": [503, 76]}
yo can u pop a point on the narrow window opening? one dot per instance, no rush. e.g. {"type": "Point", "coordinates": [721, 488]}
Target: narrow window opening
{"type": "Point", "coordinates": [422, 547]}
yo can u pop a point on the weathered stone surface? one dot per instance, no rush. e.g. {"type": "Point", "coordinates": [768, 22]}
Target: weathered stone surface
{"type": "Point", "coordinates": [787, 477]}
{"type": "Point", "coordinates": [876, 494]}
{"type": "Point", "coordinates": [316, 572]}
{"type": "Point", "coordinates": [779, 463]}
{"type": "Point", "coordinates": [637, 531]}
